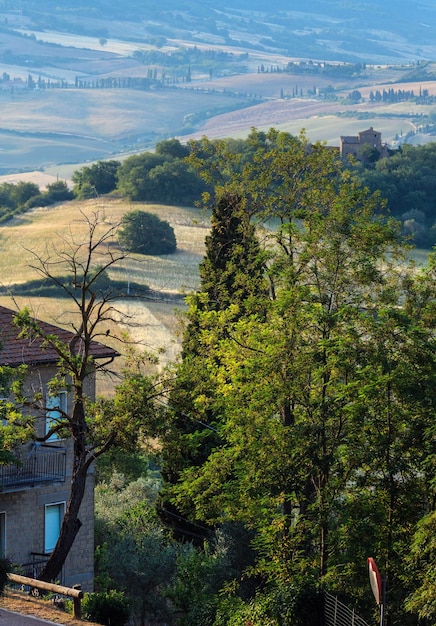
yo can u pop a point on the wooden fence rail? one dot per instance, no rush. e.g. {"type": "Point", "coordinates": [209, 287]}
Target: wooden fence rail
{"type": "Point", "coordinates": [74, 593]}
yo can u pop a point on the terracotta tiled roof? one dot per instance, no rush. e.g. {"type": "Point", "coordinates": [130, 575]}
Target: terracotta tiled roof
{"type": "Point", "coordinates": [28, 351]}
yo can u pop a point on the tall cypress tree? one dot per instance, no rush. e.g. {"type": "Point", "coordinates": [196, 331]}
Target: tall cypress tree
{"type": "Point", "coordinates": [233, 282]}
{"type": "Point", "coordinates": [232, 272]}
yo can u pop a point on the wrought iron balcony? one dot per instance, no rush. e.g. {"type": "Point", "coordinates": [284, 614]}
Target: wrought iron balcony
{"type": "Point", "coordinates": [42, 464]}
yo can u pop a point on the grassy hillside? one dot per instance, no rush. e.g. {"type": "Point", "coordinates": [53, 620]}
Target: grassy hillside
{"type": "Point", "coordinates": [154, 321]}
{"type": "Point", "coordinates": [40, 129]}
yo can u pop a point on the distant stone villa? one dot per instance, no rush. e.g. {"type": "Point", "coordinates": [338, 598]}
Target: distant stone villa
{"type": "Point", "coordinates": [352, 145]}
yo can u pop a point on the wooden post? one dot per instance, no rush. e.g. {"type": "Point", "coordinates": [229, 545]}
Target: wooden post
{"type": "Point", "coordinates": [77, 608]}
{"type": "Point", "coordinates": [77, 603]}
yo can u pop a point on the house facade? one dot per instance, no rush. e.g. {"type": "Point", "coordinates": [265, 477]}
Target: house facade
{"type": "Point", "coordinates": [34, 492]}
{"type": "Point", "coordinates": [351, 145]}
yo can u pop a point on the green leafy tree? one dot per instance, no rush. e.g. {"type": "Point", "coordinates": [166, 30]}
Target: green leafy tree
{"type": "Point", "coordinates": [146, 233]}
{"type": "Point", "coordinates": [316, 412]}
{"type": "Point", "coordinates": [393, 485]}
{"type": "Point", "coordinates": [204, 572]}
{"type": "Point", "coordinates": [422, 560]}
{"type": "Point", "coordinates": [55, 192]}
{"type": "Point", "coordinates": [142, 560]}
{"type": "Point", "coordinates": [233, 270]}
{"type": "Point", "coordinates": [6, 195]}
{"type": "Point", "coordinates": [407, 180]}
{"type": "Point", "coordinates": [162, 176]}
{"type": "Point", "coordinates": [16, 428]}
{"type": "Point", "coordinates": [174, 182]}
{"type": "Point", "coordinates": [133, 179]}
{"type": "Point", "coordinates": [354, 96]}
{"type": "Point", "coordinates": [109, 608]}
{"type": "Point", "coordinates": [96, 179]}
{"type": "Point", "coordinates": [369, 153]}
{"type": "Point", "coordinates": [15, 197]}
{"type": "Point", "coordinates": [22, 192]}
{"type": "Point", "coordinates": [172, 148]}
{"type": "Point", "coordinates": [58, 191]}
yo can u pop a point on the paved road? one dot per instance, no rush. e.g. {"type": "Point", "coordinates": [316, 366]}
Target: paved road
{"type": "Point", "coordinates": [15, 619]}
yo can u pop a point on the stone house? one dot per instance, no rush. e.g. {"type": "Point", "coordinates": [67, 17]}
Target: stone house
{"type": "Point", "coordinates": [352, 145]}
{"type": "Point", "coordinates": [33, 493]}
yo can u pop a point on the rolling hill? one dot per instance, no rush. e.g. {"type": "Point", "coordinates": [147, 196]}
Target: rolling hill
{"type": "Point", "coordinates": [97, 80]}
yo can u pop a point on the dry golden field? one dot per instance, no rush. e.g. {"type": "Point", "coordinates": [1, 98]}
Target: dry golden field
{"type": "Point", "coordinates": [153, 321]}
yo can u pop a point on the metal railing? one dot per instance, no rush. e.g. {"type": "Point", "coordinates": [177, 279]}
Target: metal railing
{"type": "Point", "coordinates": [34, 568]}
{"type": "Point", "coordinates": [41, 465]}
{"type": "Point", "coordinates": [338, 614]}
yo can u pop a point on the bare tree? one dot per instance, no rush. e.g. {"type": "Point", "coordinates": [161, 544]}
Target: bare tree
{"type": "Point", "coordinates": [78, 266]}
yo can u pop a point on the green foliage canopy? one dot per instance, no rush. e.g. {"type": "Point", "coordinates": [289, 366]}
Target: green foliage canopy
{"type": "Point", "coordinates": [146, 233]}
{"type": "Point", "coordinates": [22, 196]}
{"type": "Point", "coordinates": [55, 192]}
{"type": "Point", "coordinates": [320, 407]}
{"type": "Point", "coordinates": [96, 179]}
{"type": "Point", "coordinates": [407, 180]}
{"type": "Point", "coordinates": [163, 176]}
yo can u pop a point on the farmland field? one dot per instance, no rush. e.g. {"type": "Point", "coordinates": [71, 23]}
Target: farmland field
{"type": "Point", "coordinates": [48, 129]}
{"type": "Point", "coordinates": [42, 129]}
{"type": "Point", "coordinates": [324, 121]}
{"type": "Point", "coordinates": [153, 317]}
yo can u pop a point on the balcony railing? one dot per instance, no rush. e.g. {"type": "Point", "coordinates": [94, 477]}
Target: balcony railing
{"type": "Point", "coordinates": [40, 465]}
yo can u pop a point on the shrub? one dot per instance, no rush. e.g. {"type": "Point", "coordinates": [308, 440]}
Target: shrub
{"type": "Point", "coordinates": [5, 569]}
{"type": "Point", "coordinates": [109, 608]}
{"type": "Point", "coordinates": [161, 177]}
{"type": "Point", "coordinates": [58, 192]}
{"type": "Point", "coordinates": [286, 605]}
{"type": "Point", "coordinates": [39, 200]}
{"type": "Point", "coordinates": [147, 234]}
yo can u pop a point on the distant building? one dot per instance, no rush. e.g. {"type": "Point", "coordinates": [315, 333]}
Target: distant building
{"type": "Point", "coordinates": [352, 145]}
